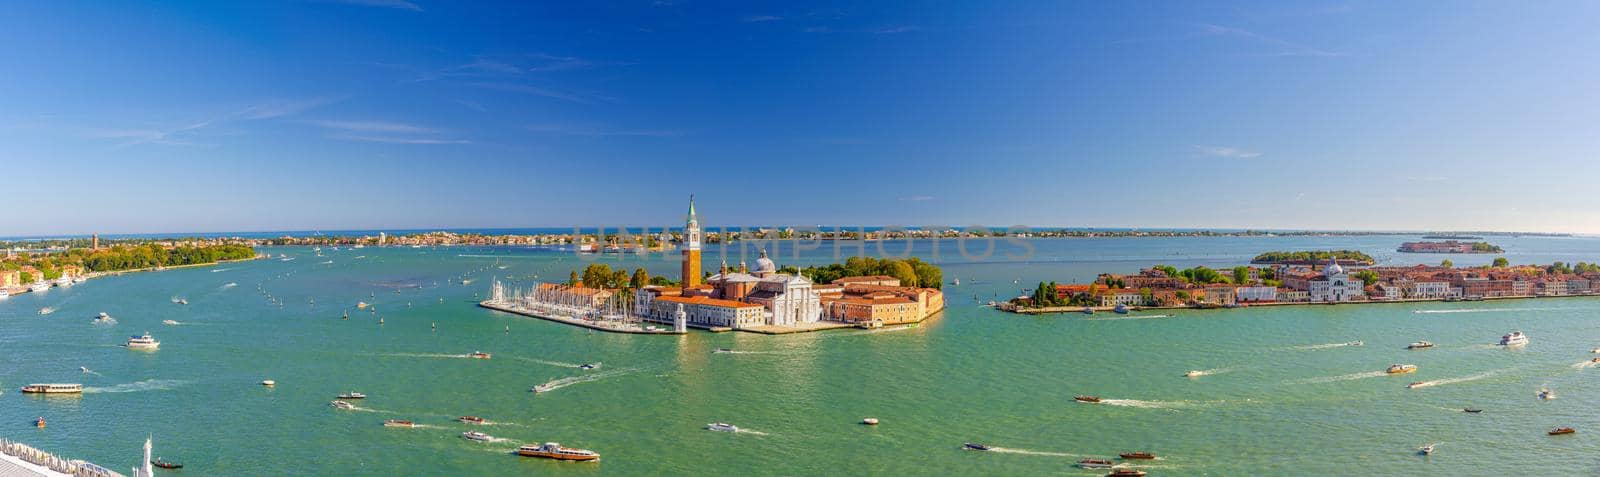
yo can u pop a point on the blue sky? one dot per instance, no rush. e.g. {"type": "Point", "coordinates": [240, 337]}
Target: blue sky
{"type": "Point", "coordinates": [132, 117]}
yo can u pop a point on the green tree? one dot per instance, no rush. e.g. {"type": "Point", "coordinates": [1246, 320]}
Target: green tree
{"type": "Point", "coordinates": [1501, 262]}
{"type": "Point", "coordinates": [1368, 277]}
{"type": "Point", "coordinates": [27, 277]}
{"type": "Point", "coordinates": [1447, 263]}
{"type": "Point", "coordinates": [640, 278]}
{"type": "Point", "coordinates": [573, 280]}
{"type": "Point", "coordinates": [1241, 274]}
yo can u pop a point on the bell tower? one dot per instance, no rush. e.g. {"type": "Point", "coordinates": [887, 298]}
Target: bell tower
{"type": "Point", "coordinates": [691, 249]}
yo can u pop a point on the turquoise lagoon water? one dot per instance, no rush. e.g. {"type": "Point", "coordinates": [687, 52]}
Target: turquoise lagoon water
{"type": "Point", "coordinates": [1280, 400]}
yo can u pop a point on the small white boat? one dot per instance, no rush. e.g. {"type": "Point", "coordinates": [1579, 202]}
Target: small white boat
{"type": "Point", "coordinates": [4, 294]}
{"type": "Point", "coordinates": [871, 421]}
{"type": "Point", "coordinates": [543, 388]}
{"type": "Point", "coordinates": [1194, 374]}
{"type": "Point", "coordinates": [169, 322]}
{"type": "Point", "coordinates": [39, 286]}
{"type": "Point", "coordinates": [342, 405]}
{"type": "Point", "coordinates": [476, 436]}
{"type": "Point", "coordinates": [1426, 450]}
{"type": "Point", "coordinates": [352, 395]}
{"type": "Point", "coordinates": [722, 427]}
{"type": "Point", "coordinates": [83, 368]}
{"type": "Point", "coordinates": [269, 383]}
{"type": "Point", "coordinates": [143, 342]}
{"type": "Point", "coordinates": [1355, 343]}
{"type": "Point", "coordinates": [1516, 338]}
{"type": "Point", "coordinates": [1546, 394]}
{"type": "Point", "coordinates": [1419, 345]}
{"type": "Point", "coordinates": [46, 310]}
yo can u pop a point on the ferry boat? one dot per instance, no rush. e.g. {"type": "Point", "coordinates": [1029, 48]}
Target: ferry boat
{"type": "Point", "coordinates": [1419, 345]}
{"type": "Point", "coordinates": [1094, 464]}
{"type": "Point", "coordinates": [342, 405]}
{"type": "Point", "coordinates": [143, 342]}
{"type": "Point", "coordinates": [478, 355]}
{"type": "Point", "coordinates": [398, 423]}
{"type": "Point", "coordinates": [1516, 338]}
{"type": "Point", "coordinates": [1140, 455]}
{"type": "Point", "coordinates": [975, 446]}
{"type": "Point", "coordinates": [1088, 399]}
{"type": "Point", "coordinates": [476, 436]}
{"type": "Point", "coordinates": [53, 389]}
{"type": "Point", "coordinates": [352, 395]}
{"type": "Point", "coordinates": [470, 419]}
{"type": "Point", "coordinates": [554, 450]}
{"type": "Point", "coordinates": [722, 427]}
{"type": "Point", "coordinates": [1401, 369]}
{"type": "Point", "coordinates": [1561, 430]}
{"type": "Point", "coordinates": [39, 286]}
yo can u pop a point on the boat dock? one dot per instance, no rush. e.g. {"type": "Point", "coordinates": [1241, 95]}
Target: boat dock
{"type": "Point", "coordinates": [21, 460]}
{"type": "Point", "coordinates": [608, 326]}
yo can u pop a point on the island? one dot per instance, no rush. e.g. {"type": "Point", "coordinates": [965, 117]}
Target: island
{"type": "Point", "coordinates": [43, 268]}
{"type": "Point", "coordinates": [1449, 246]}
{"type": "Point", "coordinates": [1348, 257]}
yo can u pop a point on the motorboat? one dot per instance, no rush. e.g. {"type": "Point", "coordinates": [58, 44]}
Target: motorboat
{"type": "Point", "coordinates": [470, 419]}
{"type": "Point", "coordinates": [1470, 410]}
{"type": "Point", "coordinates": [83, 368]}
{"type": "Point", "coordinates": [1126, 473]}
{"type": "Point", "coordinates": [1355, 343]}
{"type": "Point", "coordinates": [269, 383]}
{"type": "Point", "coordinates": [730, 350]}
{"type": "Point", "coordinates": [53, 389]}
{"type": "Point", "coordinates": [39, 286]}
{"type": "Point", "coordinates": [1094, 464]}
{"type": "Point", "coordinates": [165, 464]}
{"type": "Point", "coordinates": [871, 421]}
{"type": "Point", "coordinates": [1401, 369]}
{"type": "Point", "coordinates": [46, 310]}
{"type": "Point", "coordinates": [1140, 455]}
{"type": "Point", "coordinates": [478, 355]}
{"type": "Point", "coordinates": [1419, 345]}
{"type": "Point", "coordinates": [1194, 374]}
{"type": "Point", "coordinates": [722, 427]}
{"type": "Point", "coordinates": [143, 342]}
{"type": "Point", "coordinates": [1561, 430]}
{"type": "Point", "coordinates": [543, 388]}
{"type": "Point", "coordinates": [343, 405]}
{"type": "Point", "coordinates": [1516, 338]}
{"type": "Point", "coordinates": [169, 322]}
{"type": "Point", "coordinates": [1121, 309]}
{"type": "Point", "coordinates": [554, 450]}
{"type": "Point", "coordinates": [1087, 399]}
{"type": "Point", "coordinates": [352, 395]}
{"type": "Point", "coordinates": [476, 436]}
{"type": "Point", "coordinates": [1546, 394]}
{"type": "Point", "coordinates": [1417, 384]}
{"type": "Point", "coordinates": [975, 446]}
{"type": "Point", "coordinates": [39, 423]}
{"type": "Point", "coordinates": [398, 423]}
{"type": "Point", "coordinates": [1426, 450]}
{"type": "Point", "coordinates": [589, 366]}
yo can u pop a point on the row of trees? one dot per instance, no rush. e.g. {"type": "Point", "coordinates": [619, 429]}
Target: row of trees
{"type": "Point", "coordinates": [121, 258]}
{"type": "Point", "coordinates": [1307, 256]}
{"type": "Point", "coordinates": [912, 272]}
{"type": "Point", "coordinates": [600, 275]}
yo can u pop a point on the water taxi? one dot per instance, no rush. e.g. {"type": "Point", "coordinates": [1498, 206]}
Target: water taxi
{"type": "Point", "coordinates": [1094, 464]}
{"type": "Point", "coordinates": [1419, 345]}
{"type": "Point", "coordinates": [478, 355]}
{"type": "Point", "coordinates": [470, 419]}
{"type": "Point", "coordinates": [476, 436]}
{"type": "Point", "coordinates": [53, 389]}
{"type": "Point", "coordinates": [1087, 399]}
{"type": "Point", "coordinates": [169, 322]}
{"type": "Point", "coordinates": [871, 421]}
{"type": "Point", "coordinates": [1140, 455]}
{"type": "Point", "coordinates": [143, 342]}
{"type": "Point", "coordinates": [722, 427]}
{"type": "Point", "coordinates": [975, 446]}
{"type": "Point", "coordinates": [1561, 430]}
{"type": "Point", "coordinates": [1126, 473]}
{"type": "Point", "coordinates": [1417, 384]}
{"type": "Point", "coordinates": [398, 423]}
{"type": "Point", "coordinates": [342, 405]}
{"type": "Point", "coordinates": [1401, 369]}
{"type": "Point", "coordinates": [352, 395]}
{"type": "Point", "coordinates": [1516, 338]}
{"type": "Point", "coordinates": [553, 450]}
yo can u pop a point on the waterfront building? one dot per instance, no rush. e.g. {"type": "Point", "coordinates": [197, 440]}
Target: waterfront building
{"type": "Point", "coordinates": [882, 304]}
{"type": "Point", "coordinates": [1430, 290]}
{"type": "Point", "coordinates": [1123, 296]}
{"type": "Point", "coordinates": [1256, 294]}
{"type": "Point", "coordinates": [1221, 294]}
{"type": "Point", "coordinates": [705, 311]}
{"type": "Point", "coordinates": [1334, 285]}
{"type": "Point", "coordinates": [883, 280]}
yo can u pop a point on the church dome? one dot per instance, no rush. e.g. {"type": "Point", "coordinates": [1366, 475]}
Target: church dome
{"type": "Point", "coordinates": [764, 264]}
{"type": "Point", "coordinates": [1333, 268]}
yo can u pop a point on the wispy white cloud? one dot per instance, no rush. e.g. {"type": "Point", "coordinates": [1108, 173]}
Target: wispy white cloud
{"type": "Point", "coordinates": [396, 4]}
{"type": "Point", "coordinates": [917, 198]}
{"type": "Point", "coordinates": [580, 98]}
{"type": "Point", "coordinates": [1228, 152]}
{"type": "Point", "coordinates": [593, 130]}
{"type": "Point", "coordinates": [397, 139]}
{"type": "Point", "coordinates": [760, 18]}
{"type": "Point", "coordinates": [886, 30]}
{"type": "Point", "coordinates": [472, 105]}
{"type": "Point", "coordinates": [184, 134]}
{"type": "Point", "coordinates": [1284, 47]}
{"type": "Point", "coordinates": [281, 108]}
{"type": "Point", "coordinates": [368, 126]}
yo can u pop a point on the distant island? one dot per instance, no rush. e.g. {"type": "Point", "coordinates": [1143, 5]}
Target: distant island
{"type": "Point", "coordinates": [66, 266]}
{"type": "Point", "coordinates": [1451, 237]}
{"type": "Point", "coordinates": [1351, 257]}
{"type": "Point", "coordinates": [1450, 246]}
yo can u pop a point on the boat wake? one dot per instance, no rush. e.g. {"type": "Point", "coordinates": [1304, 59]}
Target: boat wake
{"type": "Point", "coordinates": [548, 362]}
{"type": "Point", "coordinates": [1208, 372]}
{"type": "Point", "coordinates": [571, 380]}
{"type": "Point", "coordinates": [1325, 346]}
{"type": "Point", "coordinates": [1344, 377]}
{"type": "Point", "coordinates": [1441, 382]}
{"type": "Point", "coordinates": [108, 321]}
{"type": "Point", "coordinates": [1132, 317]}
{"type": "Point", "coordinates": [424, 355]}
{"type": "Point", "coordinates": [1007, 450]}
{"type": "Point", "coordinates": [137, 386]}
{"type": "Point", "coordinates": [330, 262]}
{"type": "Point", "coordinates": [219, 270]}
{"type": "Point", "coordinates": [228, 285]}
{"type": "Point", "coordinates": [1486, 310]}
{"type": "Point", "coordinates": [1167, 405]}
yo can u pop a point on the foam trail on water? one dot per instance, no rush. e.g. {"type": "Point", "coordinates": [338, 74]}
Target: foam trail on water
{"type": "Point", "coordinates": [1008, 450]}
{"type": "Point", "coordinates": [568, 381]}
{"type": "Point", "coordinates": [1168, 405]}
{"type": "Point", "coordinates": [424, 355]}
{"type": "Point", "coordinates": [1132, 317]}
{"type": "Point", "coordinates": [1326, 346]}
{"type": "Point", "coordinates": [137, 386]}
{"type": "Point", "coordinates": [545, 361]}
{"type": "Point", "coordinates": [220, 270]}
{"type": "Point", "coordinates": [1441, 382]}
{"type": "Point", "coordinates": [1343, 377]}
{"type": "Point", "coordinates": [228, 285]}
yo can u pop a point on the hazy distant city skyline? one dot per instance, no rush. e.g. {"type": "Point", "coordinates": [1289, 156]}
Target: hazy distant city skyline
{"type": "Point", "coordinates": [395, 114]}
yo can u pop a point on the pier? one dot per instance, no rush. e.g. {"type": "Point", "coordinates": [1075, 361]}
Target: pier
{"type": "Point", "coordinates": [21, 460]}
